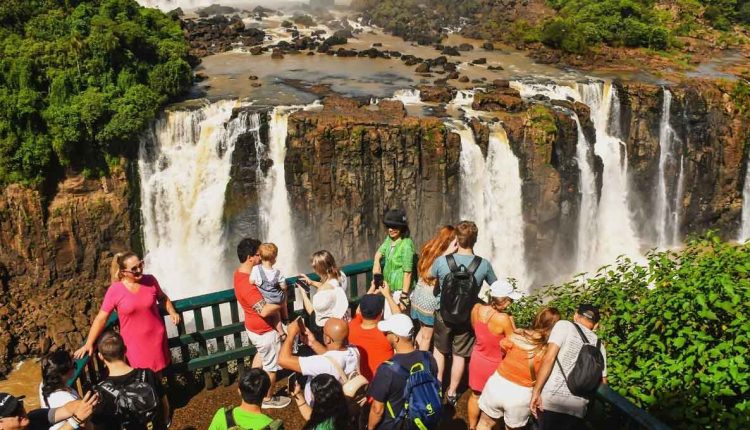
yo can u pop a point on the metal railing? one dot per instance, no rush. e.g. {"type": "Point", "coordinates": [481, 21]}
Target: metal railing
{"type": "Point", "coordinates": [608, 410]}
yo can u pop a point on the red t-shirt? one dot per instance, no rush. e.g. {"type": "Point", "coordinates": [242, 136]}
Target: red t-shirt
{"type": "Point", "coordinates": [372, 344]}
{"type": "Point", "coordinates": [251, 300]}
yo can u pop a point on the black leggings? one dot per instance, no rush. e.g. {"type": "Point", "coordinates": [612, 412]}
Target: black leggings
{"type": "Point", "coordinates": [549, 420]}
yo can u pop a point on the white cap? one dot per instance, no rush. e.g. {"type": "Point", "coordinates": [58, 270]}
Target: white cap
{"type": "Point", "coordinates": [329, 304]}
{"type": "Point", "coordinates": [398, 324]}
{"type": "Point", "coordinates": [503, 288]}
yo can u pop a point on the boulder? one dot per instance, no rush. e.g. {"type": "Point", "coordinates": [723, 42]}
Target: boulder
{"type": "Point", "coordinates": [450, 50]}
{"type": "Point", "coordinates": [277, 54]}
{"type": "Point", "coordinates": [488, 46]}
{"type": "Point", "coordinates": [465, 47]}
{"type": "Point", "coordinates": [499, 99]}
{"type": "Point", "coordinates": [436, 94]}
{"type": "Point", "coordinates": [463, 79]}
{"type": "Point", "coordinates": [423, 68]}
{"type": "Point", "coordinates": [481, 60]}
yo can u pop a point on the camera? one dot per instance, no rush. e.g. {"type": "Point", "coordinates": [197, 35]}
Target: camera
{"type": "Point", "coordinates": [378, 279]}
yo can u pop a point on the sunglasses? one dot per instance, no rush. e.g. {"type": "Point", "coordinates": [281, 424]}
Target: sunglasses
{"type": "Point", "coordinates": [138, 268]}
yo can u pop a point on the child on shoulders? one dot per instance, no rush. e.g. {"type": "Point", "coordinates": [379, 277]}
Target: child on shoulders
{"type": "Point", "coordinates": [271, 283]}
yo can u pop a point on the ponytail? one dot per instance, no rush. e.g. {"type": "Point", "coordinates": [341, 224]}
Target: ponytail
{"type": "Point", "coordinates": [118, 263]}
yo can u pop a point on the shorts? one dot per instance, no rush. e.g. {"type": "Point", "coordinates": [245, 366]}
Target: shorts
{"type": "Point", "coordinates": [268, 346]}
{"type": "Point", "coordinates": [456, 340]}
{"type": "Point", "coordinates": [424, 304]}
{"type": "Point", "coordinates": [504, 399]}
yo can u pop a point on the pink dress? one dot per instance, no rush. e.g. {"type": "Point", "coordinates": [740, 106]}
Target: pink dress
{"type": "Point", "coordinates": [485, 356]}
{"type": "Point", "coordinates": [141, 326]}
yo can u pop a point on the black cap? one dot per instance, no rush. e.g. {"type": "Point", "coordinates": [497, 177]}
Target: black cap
{"type": "Point", "coordinates": [9, 405]}
{"type": "Point", "coordinates": [395, 218]}
{"type": "Point", "coordinates": [589, 311]}
{"type": "Point", "coordinates": [371, 305]}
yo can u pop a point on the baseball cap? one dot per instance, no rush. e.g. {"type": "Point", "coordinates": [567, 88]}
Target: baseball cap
{"type": "Point", "coordinates": [503, 288]}
{"type": "Point", "coordinates": [399, 324]}
{"type": "Point", "coordinates": [9, 405]}
{"type": "Point", "coordinates": [589, 311]}
{"type": "Point", "coordinates": [371, 305]}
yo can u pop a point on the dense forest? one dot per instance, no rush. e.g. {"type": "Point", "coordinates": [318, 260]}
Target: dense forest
{"type": "Point", "coordinates": [570, 25]}
{"type": "Point", "coordinates": [78, 82]}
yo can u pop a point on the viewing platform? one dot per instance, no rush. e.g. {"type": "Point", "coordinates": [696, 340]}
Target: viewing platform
{"type": "Point", "coordinates": [209, 351]}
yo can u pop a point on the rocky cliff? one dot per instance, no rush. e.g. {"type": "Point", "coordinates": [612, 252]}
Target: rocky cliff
{"type": "Point", "coordinates": [54, 259]}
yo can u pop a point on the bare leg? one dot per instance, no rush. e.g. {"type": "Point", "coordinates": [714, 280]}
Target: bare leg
{"type": "Point", "coordinates": [424, 337]}
{"type": "Point", "coordinates": [440, 360]}
{"type": "Point", "coordinates": [457, 371]}
{"type": "Point", "coordinates": [272, 377]}
{"type": "Point", "coordinates": [257, 362]}
{"type": "Point", "coordinates": [474, 409]}
{"type": "Point", "coordinates": [485, 422]}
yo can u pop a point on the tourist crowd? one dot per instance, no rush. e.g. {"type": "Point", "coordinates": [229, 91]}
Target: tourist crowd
{"type": "Point", "coordinates": [395, 361]}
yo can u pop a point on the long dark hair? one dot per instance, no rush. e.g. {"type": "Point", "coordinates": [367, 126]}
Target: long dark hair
{"type": "Point", "coordinates": [55, 366]}
{"type": "Point", "coordinates": [328, 403]}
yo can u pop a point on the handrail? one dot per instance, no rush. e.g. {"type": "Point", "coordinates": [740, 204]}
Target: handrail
{"type": "Point", "coordinates": [604, 394]}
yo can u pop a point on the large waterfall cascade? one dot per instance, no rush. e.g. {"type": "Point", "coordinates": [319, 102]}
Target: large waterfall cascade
{"type": "Point", "coordinates": [184, 166]}
{"type": "Point", "coordinates": [606, 225]}
{"type": "Point", "coordinates": [669, 187]}
{"type": "Point", "coordinates": [491, 196]}
{"type": "Point", "coordinates": [745, 222]}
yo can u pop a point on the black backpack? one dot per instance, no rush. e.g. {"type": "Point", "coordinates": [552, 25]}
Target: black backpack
{"type": "Point", "coordinates": [459, 291]}
{"type": "Point", "coordinates": [586, 375]}
{"type": "Point", "coordinates": [136, 403]}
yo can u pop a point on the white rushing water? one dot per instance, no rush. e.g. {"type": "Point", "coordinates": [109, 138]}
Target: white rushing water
{"type": "Point", "coordinates": [586, 249]}
{"type": "Point", "coordinates": [745, 220]}
{"type": "Point", "coordinates": [407, 96]}
{"type": "Point", "coordinates": [669, 182]}
{"type": "Point", "coordinates": [184, 166]}
{"type": "Point", "coordinates": [275, 211]}
{"type": "Point", "coordinates": [616, 234]}
{"type": "Point", "coordinates": [491, 196]}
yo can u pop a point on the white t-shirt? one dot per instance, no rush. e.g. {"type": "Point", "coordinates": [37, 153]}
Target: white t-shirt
{"type": "Point", "coordinates": [57, 399]}
{"type": "Point", "coordinates": [556, 396]}
{"type": "Point", "coordinates": [255, 274]}
{"type": "Point", "coordinates": [319, 364]}
{"type": "Point", "coordinates": [342, 282]}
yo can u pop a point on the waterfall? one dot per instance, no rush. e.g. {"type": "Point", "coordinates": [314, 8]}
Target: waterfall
{"type": "Point", "coordinates": [407, 96]}
{"type": "Point", "coordinates": [586, 250]}
{"type": "Point", "coordinates": [275, 211]}
{"type": "Point", "coordinates": [668, 190]}
{"type": "Point", "coordinates": [615, 227]}
{"type": "Point", "coordinates": [745, 222]}
{"type": "Point", "coordinates": [184, 164]}
{"type": "Point", "coordinates": [491, 197]}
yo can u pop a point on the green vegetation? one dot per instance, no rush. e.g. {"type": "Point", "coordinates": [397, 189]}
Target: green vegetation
{"type": "Point", "coordinates": [677, 331]}
{"type": "Point", "coordinates": [79, 80]}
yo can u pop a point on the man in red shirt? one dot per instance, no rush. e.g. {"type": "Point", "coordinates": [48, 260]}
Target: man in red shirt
{"type": "Point", "coordinates": [364, 334]}
{"type": "Point", "coordinates": [258, 319]}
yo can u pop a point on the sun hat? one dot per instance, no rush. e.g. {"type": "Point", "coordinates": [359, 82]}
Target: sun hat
{"type": "Point", "coordinates": [398, 324]}
{"type": "Point", "coordinates": [329, 304]}
{"type": "Point", "coordinates": [503, 288]}
{"type": "Point", "coordinates": [9, 404]}
{"type": "Point", "coordinates": [589, 311]}
{"type": "Point", "coordinates": [395, 218]}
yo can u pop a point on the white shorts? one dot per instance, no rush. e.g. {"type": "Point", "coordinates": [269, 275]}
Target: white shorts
{"type": "Point", "coordinates": [268, 346]}
{"type": "Point", "coordinates": [504, 399]}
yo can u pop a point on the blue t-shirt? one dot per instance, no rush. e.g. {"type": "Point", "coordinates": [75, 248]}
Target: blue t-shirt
{"type": "Point", "coordinates": [483, 273]}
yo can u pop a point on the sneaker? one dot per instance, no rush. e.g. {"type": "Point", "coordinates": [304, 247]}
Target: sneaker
{"type": "Point", "coordinates": [276, 402]}
{"type": "Point", "coordinates": [451, 400]}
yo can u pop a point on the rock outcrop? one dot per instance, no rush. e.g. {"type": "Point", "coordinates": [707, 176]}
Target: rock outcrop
{"type": "Point", "coordinates": [55, 259]}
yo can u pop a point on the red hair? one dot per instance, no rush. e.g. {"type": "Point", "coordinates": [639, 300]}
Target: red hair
{"type": "Point", "coordinates": [433, 249]}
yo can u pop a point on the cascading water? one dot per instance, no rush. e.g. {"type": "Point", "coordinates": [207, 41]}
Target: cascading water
{"type": "Point", "coordinates": [184, 166]}
{"type": "Point", "coordinates": [745, 222]}
{"type": "Point", "coordinates": [275, 212]}
{"type": "Point", "coordinates": [491, 196]}
{"type": "Point", "coordinates": [615, 232]}
{"type": "Point", "coordinates": [668, 190]}
{"type": "Point", "coordinates": [407, 96]}
{"type": "Point", "coordinates": [586, 250]}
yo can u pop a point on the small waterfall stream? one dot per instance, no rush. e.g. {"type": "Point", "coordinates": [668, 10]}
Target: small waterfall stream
{"type": "Point", "coordinates": [669, 182]}
{"type": "Point", "coordinates": [745, 220]}
{"type": "Point", "coordinates": [586, 250]}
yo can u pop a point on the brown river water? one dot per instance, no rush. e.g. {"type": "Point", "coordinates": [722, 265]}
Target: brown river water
{"type": "Point", "coordinates": [24, 380]}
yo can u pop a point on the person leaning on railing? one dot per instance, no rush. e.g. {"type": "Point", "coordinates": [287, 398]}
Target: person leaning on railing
{"type": "Point", "coordinates": [136, 298]}
{"type": "Point", "coordinates": [73, 415]}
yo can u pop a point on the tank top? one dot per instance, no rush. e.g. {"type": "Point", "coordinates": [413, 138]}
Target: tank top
{"type": "Point", "coordinates": [515, 367]}
{"type": "Point", "coordinates": [487, 343]}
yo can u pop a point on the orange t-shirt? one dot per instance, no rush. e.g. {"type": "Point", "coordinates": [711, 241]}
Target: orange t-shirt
{"type": "Point", "coordinates": [515, 366]}
{"type": "Point", "coordinates": [372, 345]}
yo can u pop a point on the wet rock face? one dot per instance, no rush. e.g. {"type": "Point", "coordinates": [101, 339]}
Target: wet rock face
{"type": "Point", "coordinates": [712, 137]}
{"type": "Point", "coordinates": [499, 99]}
{"type": "Point", "coordinates": [216, 34]}
{"type": "Point", "coordinates": [55, 259]}
{"type": "Point", "coordinates": [346, 164]}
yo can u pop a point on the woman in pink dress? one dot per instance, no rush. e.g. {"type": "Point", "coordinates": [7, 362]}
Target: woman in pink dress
{"type": "Point", "coordinates": [135, 297]}
{"type": "Point", "coordinates": [491, 325]}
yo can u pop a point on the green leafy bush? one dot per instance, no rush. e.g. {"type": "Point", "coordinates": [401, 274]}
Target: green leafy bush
{"type": "Point", "coordinates": [676, 328]}
{"type": "Point", "coordinates": [79, 80]}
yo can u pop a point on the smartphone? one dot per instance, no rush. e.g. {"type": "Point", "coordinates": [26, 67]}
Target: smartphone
{"type": "Point", "coordinates": [304, 285]}
{"type": "Point", "coordinates": [292, 382]}
{"type": "Point", "coordinates": [378, 279]}
{"type": "Point", "coordinates": [301, 324]}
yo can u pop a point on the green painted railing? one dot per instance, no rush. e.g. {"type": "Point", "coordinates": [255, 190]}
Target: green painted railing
{"type": "Point", "coordinates": [608, 410]}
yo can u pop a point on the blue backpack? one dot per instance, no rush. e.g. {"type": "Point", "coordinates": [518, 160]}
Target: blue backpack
{"type": "Point", "coordinates": [422, 405]}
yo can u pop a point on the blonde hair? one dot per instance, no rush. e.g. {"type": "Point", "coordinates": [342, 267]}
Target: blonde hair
{"type": "Point", "coordinates": [118, 264]}
{"type": "Point", "coordinates": [268, 252]}
{"type": "Point", "coordinates": [324, 265]}
{"type": "Point", "coordinates": [541, 328]}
